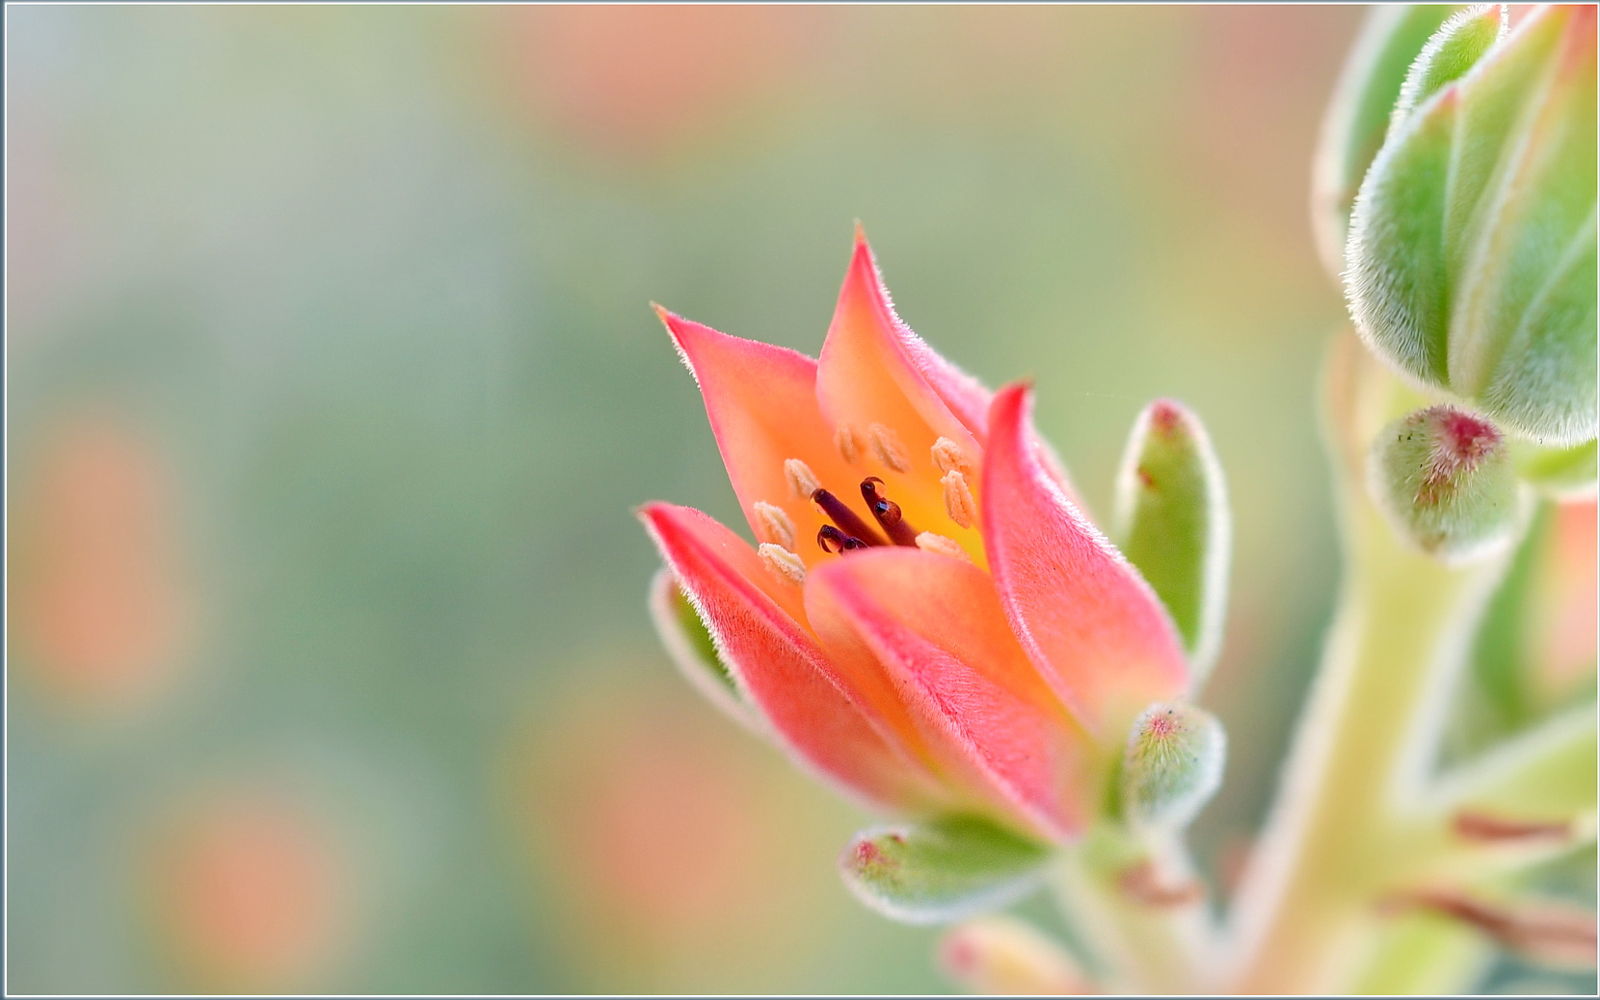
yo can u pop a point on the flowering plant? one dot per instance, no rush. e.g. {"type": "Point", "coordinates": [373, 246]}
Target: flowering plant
{"type": "Point", "coordinates": [929, 620]}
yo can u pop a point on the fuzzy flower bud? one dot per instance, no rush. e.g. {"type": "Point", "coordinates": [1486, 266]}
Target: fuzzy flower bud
{"type": "Point", "coordinates": [1172, 765]}
{"type": "Point", "coordinates": [1446, 480]}
{"type": "Point", "coordinates": [1471, 256]}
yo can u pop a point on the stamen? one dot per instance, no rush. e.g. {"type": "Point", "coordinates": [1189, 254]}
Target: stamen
{"type": "Point", "coordinates": [848, 442]}
{"type": "Point", "coordinates": [958, 501]}
{"type": "Point", "coordinates": [775, 525]}
{"type": "Point", "coordinates": [927, 541]}
{"type": "Point", "coordinates": [887, 446]}
{"type": "Point", "coordinates": [948, 457]}
{"type": "Point", "coordinates": [782, 562]}
{"type": "Point", "coordinates": [802, 481]}
{"type": "Point", "coordinates": [887, 512]}
{"type": "Point", "coordinates": [835, 541]}
{"type": "Point", "coordinates": [848, 520]}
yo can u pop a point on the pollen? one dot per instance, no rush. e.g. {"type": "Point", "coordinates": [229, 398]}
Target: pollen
{"type": "Point", "coordinates": [889, 449]}
{"type": "Point", "coordinates": [927, 541]}
{"type": "Point", "coordinates": [774, 524]}
{"type": "Point", "coordinates": [948, 457]}
{"type": "Point", "coordinates": [802, 481]}
{"type": "Point", "coordinates": [848, 441]}
{"type": "Point", "coordinates": [958, 502]}
{"type": "Point", "coordinates": [782, 562]}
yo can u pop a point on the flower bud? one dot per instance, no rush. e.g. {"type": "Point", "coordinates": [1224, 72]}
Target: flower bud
{"type": "Point", "coordinates": [1471, 256]}
{"type": "Point", "coordinates": [1172, 766]}
{"type": "Point", "coordinates": [1003, 955]}
{"type": "Point", "coordinates": [944, 870]}
{"type": "Point", "coordinates": [1446, 480]}
{"type": "Point", "coordinates": [1358, 116]}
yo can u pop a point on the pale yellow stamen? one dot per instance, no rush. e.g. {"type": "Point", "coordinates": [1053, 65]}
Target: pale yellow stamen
{"type": "Point", "coordinates": [887, 446]}
{"type": "Point", "coordinates": [848, 442]}
{"type": "Point", "coordinates": [802, 481]}
{"type": "Point", "coordinates": [782, 562]}
{"type": "Point", "coordinates": [775, 525]}
{"type": "Point", "coordinates": [948, 456]}
{"type": "Point", "coordinates": [958, 500]}
{"type": "Point", "coordinates": [927, 541]}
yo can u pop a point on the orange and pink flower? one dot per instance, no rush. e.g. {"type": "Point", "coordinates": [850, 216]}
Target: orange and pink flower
{"type": "Point", "coordinates": [928, 618]}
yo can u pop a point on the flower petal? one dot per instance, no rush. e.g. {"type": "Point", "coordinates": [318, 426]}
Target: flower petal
{"type": "Point", "coordinates": [1088, 620]}
{"type": "Point", "coordinates": [931, 625]}
{"type": "Point", "coordinates": [874, 370]}
{"type": "Point", "coordinates": [762, 404]}
{"type": "Point", "coordinates": [752, 616]}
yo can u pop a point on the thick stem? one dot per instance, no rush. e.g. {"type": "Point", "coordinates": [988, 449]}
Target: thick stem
{"type": "Point", "coordinates": [1306, 913]}
{"type": "Point", "coordinates": [1307, 905]}
{"type": "Point", "coordinates": [1140, 911]}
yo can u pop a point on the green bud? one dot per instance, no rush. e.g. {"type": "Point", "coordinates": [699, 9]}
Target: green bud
{"type": "Point", "coordinates": [1445, 478]}
{"type": "Point", "coordinates": [1358, 116]}
{"type": "Point", "coordinates": [1470, 264]}
{"type": "Point", "coordinates": [1172, 765]}
{"type": "Point", "coordinates": [1172, 523]}
{"type": "Point", "coordinates": [945, 870]}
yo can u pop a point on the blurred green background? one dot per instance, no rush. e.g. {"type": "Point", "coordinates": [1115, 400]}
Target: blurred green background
{"type": "Point", "coordinates": [333, 384]}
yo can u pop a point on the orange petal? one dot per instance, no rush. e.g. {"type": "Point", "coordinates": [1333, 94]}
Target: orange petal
{"type": "Point", "coordinates": [932, 626]}
{"type": "Point", "coordinates": [874, 370]}
{"type": "Point", "coordinates": [752, 615]}
{"type": "Point", "coordinates": [762, 404]}
{"type": "Point", "coordinates": [1091, 624]}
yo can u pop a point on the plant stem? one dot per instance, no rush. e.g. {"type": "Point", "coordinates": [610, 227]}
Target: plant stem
{"type": "Point", "coordinates": [1140, 911]}
{"type": "Point", "coordinates": [1306, 913]}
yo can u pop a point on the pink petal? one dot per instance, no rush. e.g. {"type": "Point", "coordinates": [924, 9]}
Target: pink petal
{"type": "Point", "coordinates": [753, 617]}
{"type": "Point", "coordinates": [932, 626]}
{"type": "Point", "coordinates": [1090, 623]}
{"type": "Point", "coordinates": [874, 370]}
{"type": "Point", "coordinates": [762, 405]}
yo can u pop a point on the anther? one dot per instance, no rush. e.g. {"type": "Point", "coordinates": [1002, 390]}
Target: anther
{"type": "Point", "coordinates": [948, 457]}
{"type": "Point", "coordinates": [927, 541]}
{"type": "Point", "coordinates": [802, 481]}
{"type": "Point", "coordinates": [958, 501]}
{"type": "Point", "coordinates": [835, 541]}
{"type": "Point", "coordinates": [782, 562]}
{"type": "Point", "coordinates": [774, 523]}
{"type": "Point", "coordinates": [887, 512]}
{"type": "Point", "coordinates": [886, 445]}
{"type": "Point", "coordinates": [848, 520]}
{"type": "Point", "coordinates": [848, 442]}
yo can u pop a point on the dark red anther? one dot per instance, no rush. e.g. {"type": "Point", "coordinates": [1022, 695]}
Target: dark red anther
{"type": "Point", "coordinates": [887, 513]}
{"type": "Point", "coordinates": [849, 522]}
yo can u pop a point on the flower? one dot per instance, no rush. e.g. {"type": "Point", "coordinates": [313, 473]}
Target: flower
{"type": "Point", "coordinates": [927, 619]}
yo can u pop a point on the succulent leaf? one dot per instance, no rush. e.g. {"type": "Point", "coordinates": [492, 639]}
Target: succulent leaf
{"type": "Point", "coordinates": [942, 871]}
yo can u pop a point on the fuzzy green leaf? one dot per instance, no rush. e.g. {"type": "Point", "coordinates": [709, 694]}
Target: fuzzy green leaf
{"type": "Point", "coordinates": [1172, 523]}
{"type": "Point", "coordinates": [1561, 473]}
{"type": "Point", "coordinates": [942, 871]}
{"type": "Point", "coordinates": [1471, 258]}
{"type": "Point", "coordinates": [1358, 116]}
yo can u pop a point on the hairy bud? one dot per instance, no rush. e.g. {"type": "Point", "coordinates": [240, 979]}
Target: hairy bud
{"type": "Point", "coordinates": [1172, 765]}
{"type": "Point", "coordinates": [1446, 480]}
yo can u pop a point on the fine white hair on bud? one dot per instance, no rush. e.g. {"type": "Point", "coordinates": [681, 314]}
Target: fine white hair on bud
{"type": "Point", "coordinates": [782, 562]}
{"type": "Point", "coordinates": [802, 481]}
{"type": "Point", "coordinates": [1445, 479]}
{"type": "Point", "coordinates": [775, 524]}
{"type": "Point", "coordinates": [1172, 765]}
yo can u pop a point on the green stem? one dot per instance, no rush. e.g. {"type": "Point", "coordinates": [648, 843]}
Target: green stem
{"type": "Point", "coordinates": [1306, 912]}
{"type": "Point", "coordinates": [1140, 913]}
